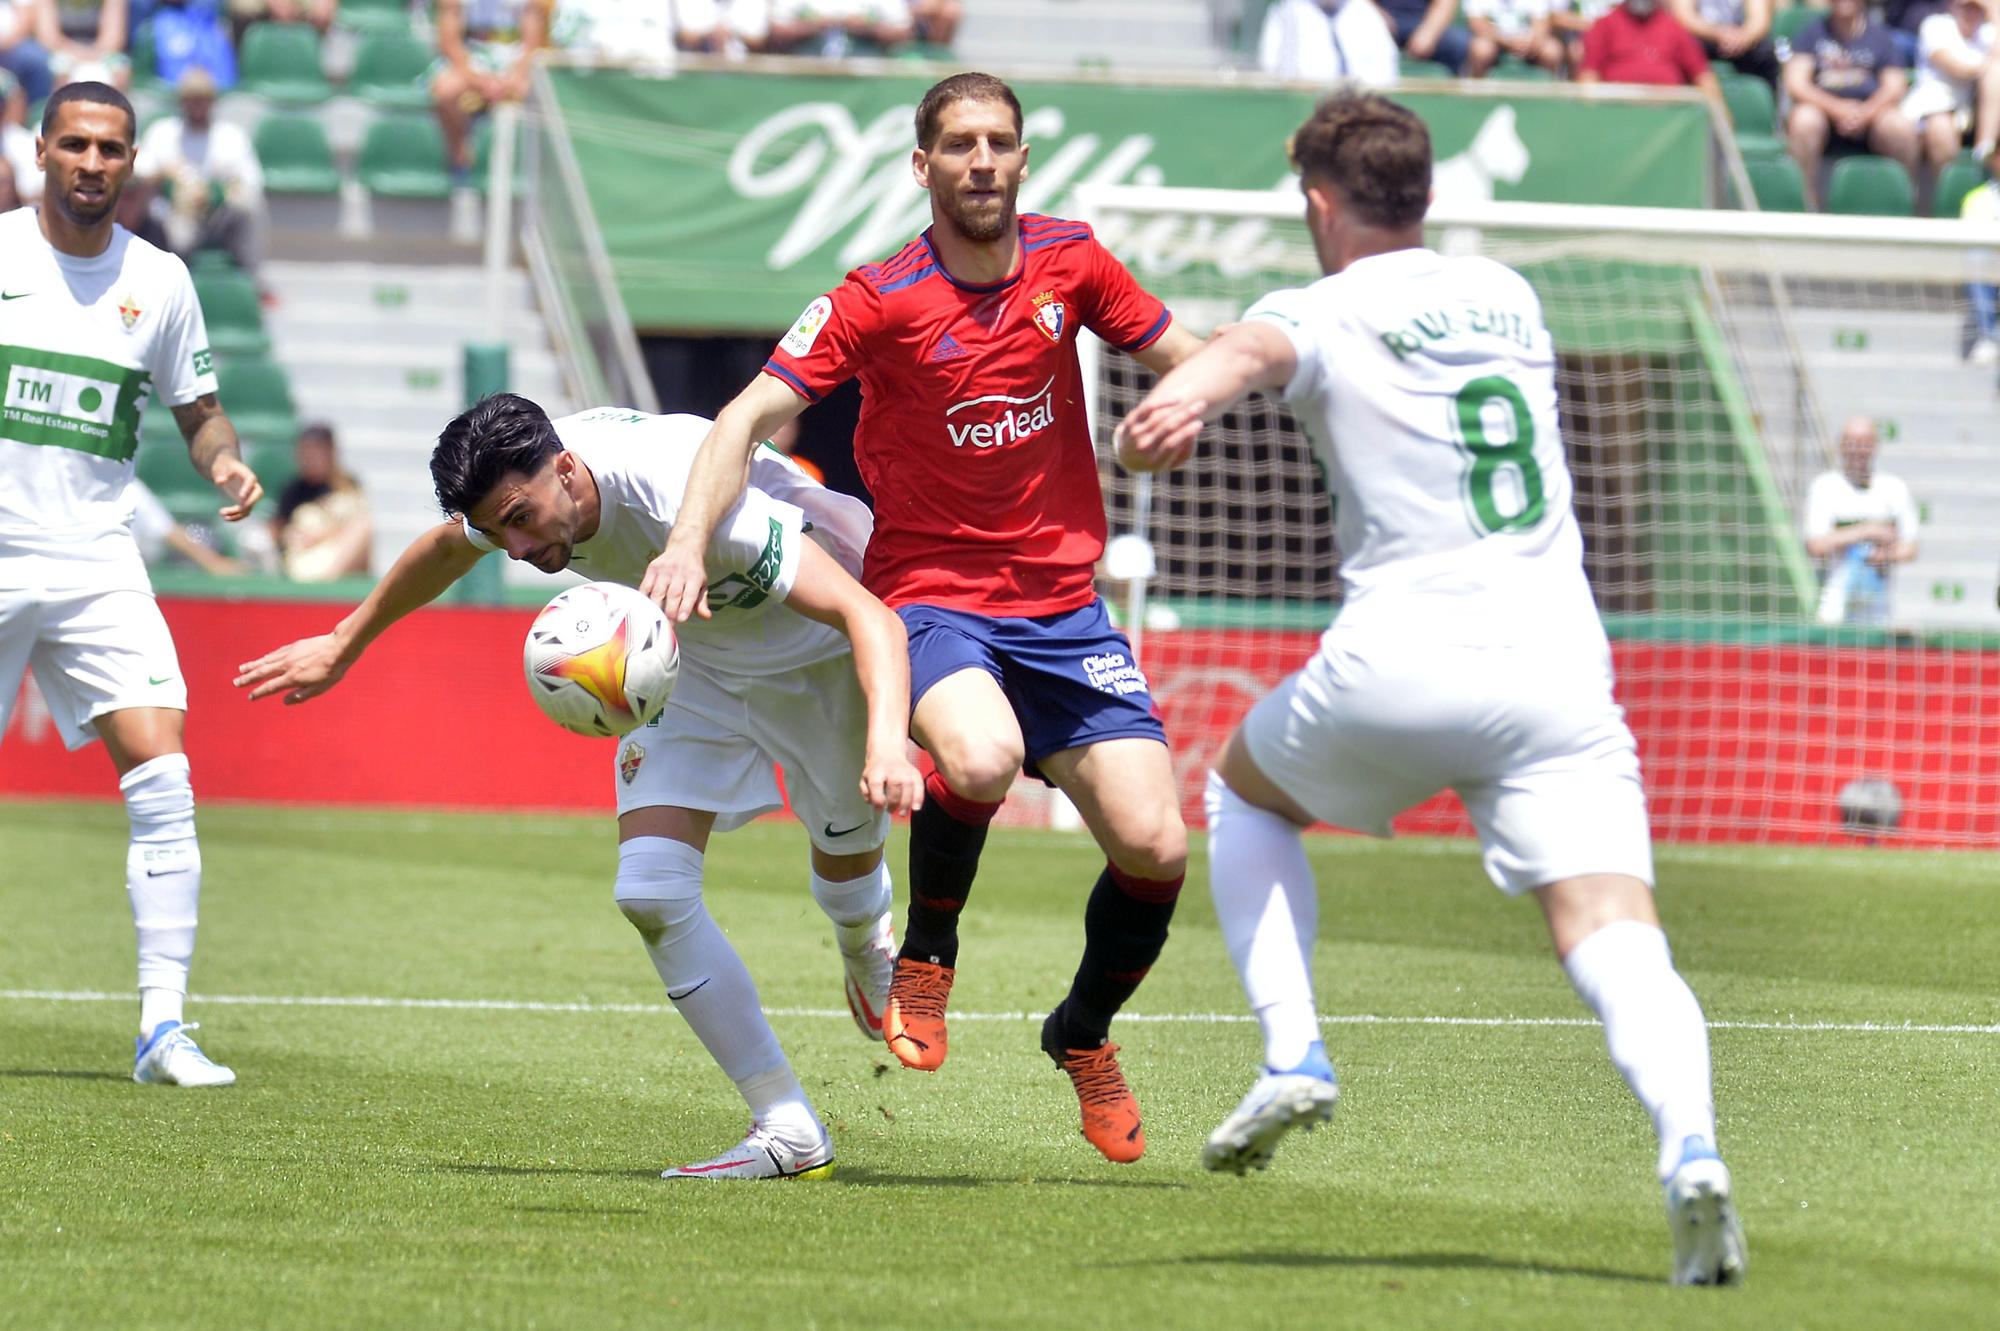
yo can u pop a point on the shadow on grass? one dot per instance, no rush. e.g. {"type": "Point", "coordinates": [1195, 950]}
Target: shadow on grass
{"type": "Point", "coordinates": [65, 1074]}
{"type": "Point", "coordinates": [1401, 1261]}
{"type": "Point", "coordinates": [870, 1178]}
{"type": "Point", "coordinates": [545, 1171]}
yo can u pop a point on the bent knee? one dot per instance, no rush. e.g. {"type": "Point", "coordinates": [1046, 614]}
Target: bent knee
{"type": "Point", "coordinates": [1155, 850]}
{"type": "Point", "coordinates": [981, 769]}
{"type": "Point", "coordinates": [658, 888]}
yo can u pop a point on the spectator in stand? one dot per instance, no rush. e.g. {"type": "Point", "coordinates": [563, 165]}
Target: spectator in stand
{"type": "Point", "coordinates": [1956, 64]}
{"type": "Point", "coordinates": [486, 55]}
{"type": "Point", "coordinates": [734, 28]}
{"type": "Point", "coordinates": [319, 13]}
{"type": "Point", "coordinates": [1861, 522]}
{"type": "Point", "coordinates": [1523, 29]}
{"type": "Point", "coordinates": [1640, 41]}
{"type": "Point", "coordinates": [618, 32]}
{"type": "Point", "coordinates": [17, 141]}
{"type": "Point", "coordinates": [936, 21]}
{"type": "Point", "coordinates": [1983, 205]}
{"type": "Point", "coordinates": [322, 530]}
{"type": "Point", "coordinates": [1424, 30]}
{"type": "Point", "coordinates": [1737, 31]}
{"type": "Point", "coordinates": [1322, 41]}
{"type": "Point", "coordinates": [85, 42]}
{"type": "Point", "coordinates": [160, 535]}
{"type": "Point", "coordinates": [1905, 18]}
{"type": "Point", "coordinates": [190, 34]}
{"type": "Point", "coordinates": [1572, 20]}
{"type": "Point", "coordinates": [137, 215]}
{"type": "Point", "coordinates": [20, 54]}
{"type": "Point", "coordinates": [1847, 88]}
{"type": "Point", "coordinates": [832, 29]}
{"type": "Point", "coordinates": [208, 173]}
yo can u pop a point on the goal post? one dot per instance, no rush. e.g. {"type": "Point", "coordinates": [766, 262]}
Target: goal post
{"type": "Point", "coordinates": [1705, 362]}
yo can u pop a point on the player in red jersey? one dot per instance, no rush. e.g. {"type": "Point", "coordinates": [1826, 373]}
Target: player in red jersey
{"type": "Point", "coordinates": [988, 525]}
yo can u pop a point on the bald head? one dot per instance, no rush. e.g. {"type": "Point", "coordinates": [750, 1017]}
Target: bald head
{"type": "Point", "coordinates": [1858, 442]}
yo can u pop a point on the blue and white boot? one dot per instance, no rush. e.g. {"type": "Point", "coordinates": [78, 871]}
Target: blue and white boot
{"type": "Point", "coordinates": [170, 1057]}
{"type": "Point", "coordinates": [1302, 1097]}
{"type": "Point", "coordinates": [1701, 1211]}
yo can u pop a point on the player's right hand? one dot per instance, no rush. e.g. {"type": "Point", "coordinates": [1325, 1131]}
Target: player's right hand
{"type": "Point", "coordinates": [300, 670]}
{"type": "Point", "coordinates": [1159, 433]}
{"type": "Point", "coordinates": [677, 582]}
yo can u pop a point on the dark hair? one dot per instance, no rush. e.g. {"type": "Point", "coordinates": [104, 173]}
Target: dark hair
{"type": "Point", "coordinates": [494, 437]}
{"type": "Point", "coordinates": [317, 431]}
{"type": "Point", "coordinates": [100, 94]}
{"type": "Point", "coordinates": [968, 87]}
{"type": "Point", "coordinates": [1375, 153]}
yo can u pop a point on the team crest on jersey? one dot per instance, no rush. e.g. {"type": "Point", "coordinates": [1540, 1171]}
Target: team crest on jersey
{"type": "Point", "coordinates": [629, 759]}
{"type": "Point", "coordinates": [129, 311]}
{"type": "Point", "coordinates": [1050, 314]}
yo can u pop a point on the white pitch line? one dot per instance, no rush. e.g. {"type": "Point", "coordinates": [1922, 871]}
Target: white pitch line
{"type": "Point", "coordinates": [1191, 1018]}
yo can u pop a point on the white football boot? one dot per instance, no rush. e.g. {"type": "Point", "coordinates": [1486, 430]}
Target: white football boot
{"type": "Point", "coordinates": [1280, 1101]}
{"type": "Point", "coordinates": [868, 974]}
{"type": "Point", "coordinates": [768, 1152]}
{"type": "Point", "coordinates": [1701, 1212]}
{"type": "Point", "coordinates": [170, 1057]}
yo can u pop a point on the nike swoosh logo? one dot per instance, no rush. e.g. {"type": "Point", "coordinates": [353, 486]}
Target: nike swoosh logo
{"type": "Point", "coordinates": [161, 680]}
{"type": "Point", "coordinates": [14, 295]}
{"type": "Point", "coordinates": [677, 997]}
{"type": "Point", "coordinates": [158, 873]}
{"type": "Point", "coordinates": [832, 835]}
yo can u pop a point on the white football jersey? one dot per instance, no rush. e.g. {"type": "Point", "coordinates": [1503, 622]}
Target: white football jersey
{"type": "Point", "coordinates": [641, 464]}
{"type": "Point", "coordinates": [1427, 388]}
{"type": "Point", "coordinates": [84, 343]}
{"type": "Point", "coordinates": [1832, 501]}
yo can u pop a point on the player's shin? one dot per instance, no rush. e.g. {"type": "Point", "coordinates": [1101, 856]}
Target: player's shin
{"type": "Point", "coordinates": [163, 877]}
{"type": "Point", "coordinates": [1653, 1027]}
{"type": "Point", "coordinates": [946, 838]}
{"type": "Point", "coordinates": [1124, 928]}
{"type": "Point", "coordinates": [659, 891]}
{"type": "Point", "coordinates": [856, 906]}
{"type": "Point", "coordinates": [1268, 907]}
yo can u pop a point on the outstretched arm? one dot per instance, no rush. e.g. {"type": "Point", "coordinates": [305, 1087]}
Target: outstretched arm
{"type": "Point", "coordinates": [824, 591]}
{"type": "Point", "coordinates": [309, 667]}
{"type": "Point", "coordinates": [678, 578]}
{"type": "Point", "coordinates": [1169, 349]}
{"type": "Point", "coordinates": [1161, 431]}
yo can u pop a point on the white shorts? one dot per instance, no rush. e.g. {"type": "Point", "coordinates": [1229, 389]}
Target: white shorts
{"type": "Point", "coordinates": [92, 652]}
{"type": "Point", "coordinates": [714, 746]}
{"type": "Point", "coordinates": [1531, 741]}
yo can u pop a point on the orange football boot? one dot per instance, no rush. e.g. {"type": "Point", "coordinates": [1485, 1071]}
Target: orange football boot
{"type": "Point", "coordinates": [913, 1018]}
{"type": "Point", "coordinates": [1111, 1120]}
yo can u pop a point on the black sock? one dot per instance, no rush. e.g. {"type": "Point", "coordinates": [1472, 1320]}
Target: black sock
{"type": "Point", "coordinates": [944, 856]}
{"type": "Point", "coordinates": [1124, 928]}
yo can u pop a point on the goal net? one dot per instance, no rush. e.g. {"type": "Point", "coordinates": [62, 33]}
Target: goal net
{"type": "Point", "coordinates": [1706, 363]}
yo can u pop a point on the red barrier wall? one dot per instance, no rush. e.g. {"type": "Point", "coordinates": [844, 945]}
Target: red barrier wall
{"type": "Point", "coordinates": [1739, 743]}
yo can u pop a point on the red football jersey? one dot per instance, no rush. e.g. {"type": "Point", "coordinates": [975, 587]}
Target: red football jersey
{"type": "Point", "coordinates": [973, 436]}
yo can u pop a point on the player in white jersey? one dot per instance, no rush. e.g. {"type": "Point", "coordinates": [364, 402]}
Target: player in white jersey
{"type": "Point", "coordinates": [93, 323]}
{"type": "Point", "coordinates": [799, 666]}
{"type": "Point", "coordinates": [1467, 653]}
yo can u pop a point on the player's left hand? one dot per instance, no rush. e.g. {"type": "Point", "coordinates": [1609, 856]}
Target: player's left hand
{"type": "Point", "coordinates": [232, 476]}
{"type": "Point", "coordinates": [891, 781]}
{"type": "Point", "coordinates": [1159, 433]}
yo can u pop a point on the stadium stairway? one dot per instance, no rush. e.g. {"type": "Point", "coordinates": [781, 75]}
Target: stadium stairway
{"type": "Point", "coordinates": [376, 350]}
{"type": "Point", "coordinates": [1936, 412]}
{"type": "Point", "coordinates": [1154, 35]}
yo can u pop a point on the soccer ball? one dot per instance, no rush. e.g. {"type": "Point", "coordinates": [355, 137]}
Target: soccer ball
{"type": "Point", "coordinates": [601, 659]}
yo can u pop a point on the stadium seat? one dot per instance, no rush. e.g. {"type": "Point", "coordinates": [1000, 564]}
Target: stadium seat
{"type": "Point", "coordinates": [1959, 178]}
{"type": "Point", "coordinates": [403, 157]}
{"type": "Point", "coordinates": [146, 61]}
{"type": "Point", "coordinates": [234, 315]}
{"type": "Point", "coordinates": [389, 71]}
{"type": "Point", "coordinates": [163, 459]}
{"type": "Point", "coordinates": [1780, 186]}
{"type": "Point", "coordinates": [1870, 186]}
{"type": "Point", "coordinates": [296, 155]}
{"type": "Point", "coordinates": [281, 61]}
{"type": "Point", "coordinates": [1754, 113]}
{"type": "Point", "coordinates": [276, 462]}
{"type": "Point", "coordinates": [1517, 71]}
{"type": "Point", "coordinates": [1789, 23]}
{"type": "Point", "coordinates": [1409, 67]}
{"type": "Point", "coordinates": [372, 16]}
{"type": "Point", "coordinates": [258, 398]}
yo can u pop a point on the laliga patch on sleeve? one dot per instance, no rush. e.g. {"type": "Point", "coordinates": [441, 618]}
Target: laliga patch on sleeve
{"type": "Point", "coordinates": [806, 331]}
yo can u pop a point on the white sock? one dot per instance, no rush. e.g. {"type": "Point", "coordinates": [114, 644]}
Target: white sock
{"type": "Point", "coordinates": [163, 878]}
{"type": "Point", "coordinates": [659, 889]}
{"type": "Point", "coordinates": [1268, 906]}
{"type": "Point", "coordinates": [855, 906]}
{"type": "Point", "coordinates": [1653, 1026]}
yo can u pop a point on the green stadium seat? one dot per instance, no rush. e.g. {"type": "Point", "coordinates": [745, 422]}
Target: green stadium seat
{"type": "Point", "coordinates": [276, 462]}
{"type": "Point", "coordinates": [1959, 178]}
{"type": "Point", "coordinates": [403, 157]}
{"type": "Point", "coordinates": [212, 261]}
{"type": "Point", "coordinates": [258, 398]}
{"type": "Point", "coordinates": [233, 312]}
{"type": "Point", "coordinates": [372, 16]}
{"type": "Point", "coordinates": [1409, 67]}
{"type": "Point", "coordinates": [390, 69]}
{"type": "Point", "coordinates": [146, 61]}
{"type": "Point", "coordinates": [1517, 71]}
{"type": "Point", "coordinates": [1870, 186]}
{"type": "Point", "coordinates": [1754, 113]}
{"type": "Point", "coordinates": [281, 61]}
{"type": "Point", "coordinates": [296, 155]}
{"type": "Point", "coordinates": [163, 459]}
{"type": "Point", "coordinates": [1780, 186]}
{"type": "Point", "coordinates": [1789, 23]}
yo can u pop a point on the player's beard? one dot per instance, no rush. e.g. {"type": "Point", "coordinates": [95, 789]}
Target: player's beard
{"type": "Point", "coordinates": [980, 225]}
{"type": "Point", "coordinates": [85, 216]}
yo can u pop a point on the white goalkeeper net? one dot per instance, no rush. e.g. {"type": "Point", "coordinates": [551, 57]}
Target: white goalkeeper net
{"type": "Point", "coordinates": [1707, 360]}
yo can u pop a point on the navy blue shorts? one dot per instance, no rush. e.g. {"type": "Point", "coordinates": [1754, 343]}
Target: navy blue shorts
{"type": "Point", "coordinates": [1071, 678]}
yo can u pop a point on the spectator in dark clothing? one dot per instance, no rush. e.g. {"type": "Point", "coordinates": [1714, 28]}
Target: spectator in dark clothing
{"type": "Point", "coordinates": [1736, 31]}
{"type": "Point", "coordinates": [1639, 42]}
{"type": "Point", "coordinates": [1847, 85]}
{"type": "Point", "coordinates": [322, 530]}
{"type": "Point", "coordinates": [1424, 31]}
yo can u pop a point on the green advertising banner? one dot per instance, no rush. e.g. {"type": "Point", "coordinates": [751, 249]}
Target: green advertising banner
{"type": "Point", "coordinates": [727, 199]}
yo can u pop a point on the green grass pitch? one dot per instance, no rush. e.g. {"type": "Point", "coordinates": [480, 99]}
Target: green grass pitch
{"type": "Point", "coordinates": [400, 1165]}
